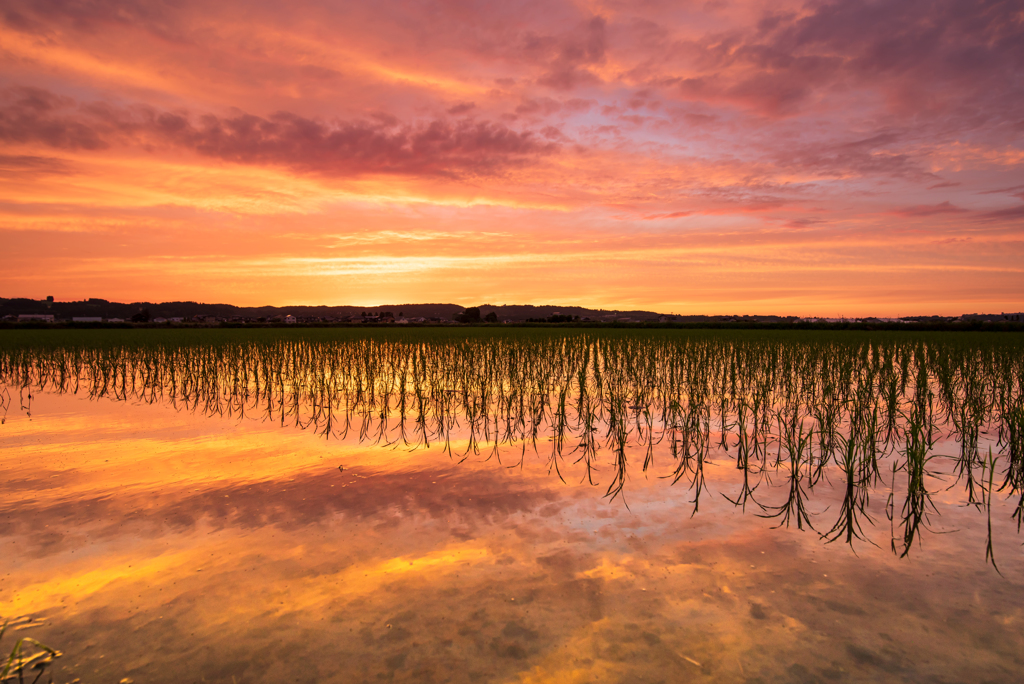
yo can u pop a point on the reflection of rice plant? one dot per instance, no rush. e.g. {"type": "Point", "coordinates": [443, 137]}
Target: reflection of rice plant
{"type": "Point", "coordinates": [799, 408]}
{"type": "Point", "coordinates": [27, 654]}
{"type": "Point", "coordinates": [798, 445]}
{"type": "Point", "coordinates": [848, 526]}
{"type": "Point", "coordinates": [917, 504]}
{"type": "Point", "coordinates": [990, 466]}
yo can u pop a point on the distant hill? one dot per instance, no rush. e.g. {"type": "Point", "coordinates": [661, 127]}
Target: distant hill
{"type": "Point", "coordinates": [10, 309]}
{"type": "Point", "coordinates": [105, 309]}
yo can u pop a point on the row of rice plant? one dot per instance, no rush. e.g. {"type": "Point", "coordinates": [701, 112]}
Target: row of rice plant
{"type": "Point", "coordinates": [790, 410]}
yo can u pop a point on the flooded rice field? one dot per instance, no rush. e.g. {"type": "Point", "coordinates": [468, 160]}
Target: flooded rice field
{"type": "Point", "coordinates": [514, 506]}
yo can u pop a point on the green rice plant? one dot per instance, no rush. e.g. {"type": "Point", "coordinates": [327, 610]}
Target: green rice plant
{"type": "Point", "coordinates": [797, 444]}
{"type": "Point", "coordinates": [799, 408]}
{"type": "Point", "coordinates": [917, 504]}
{"type": "Point", "coordinates": [989, 465]}
{"type": "Point", "coordinates": [853, 511]}
{"type": "Point", "coordinates": [27, 654]}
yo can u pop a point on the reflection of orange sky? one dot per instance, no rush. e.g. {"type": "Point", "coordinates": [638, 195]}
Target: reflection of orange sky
{"type": "Point", "coordinates": [713, 159]}
{"type": "Point", "coordinates": [146, 537]}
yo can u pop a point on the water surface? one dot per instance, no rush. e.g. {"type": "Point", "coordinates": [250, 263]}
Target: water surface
{"type": "Point", "coordinates": [172, 537]}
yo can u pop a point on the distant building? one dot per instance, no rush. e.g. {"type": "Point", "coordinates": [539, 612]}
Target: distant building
{"type": "Point", "coordinates": [176, 319]}
{"type": "Point", "coordinates": [86, 319]}
{"type": "Point", "coordinates": [289, 319]}
{"type": "Point", "coordinates": [993, 318]}
{"type": "Point", "coordinates": [45, 318]}
{"type": "Point", "coordinates": [115, 320]}
{"type": "Point", "coordinates": [159, 320]}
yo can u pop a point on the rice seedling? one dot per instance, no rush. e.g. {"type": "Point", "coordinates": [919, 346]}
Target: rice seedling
{"type": "Point", "coordinates": [989, 465]}
{"type": "Point", "coordinates": [27, 655]}
{"type": "Point", "coordinates": [917, 504]}
{"type": "Point", "coordinates": [791, 410]}
{"type": "Point", "coordinates": [848, 526]}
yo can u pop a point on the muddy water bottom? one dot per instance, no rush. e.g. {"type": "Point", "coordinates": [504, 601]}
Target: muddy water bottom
{"type": "Point", "coordinates": [162, 546]}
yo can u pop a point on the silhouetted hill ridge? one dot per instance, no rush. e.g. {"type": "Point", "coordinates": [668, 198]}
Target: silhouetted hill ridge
{"type": "Point", "coordinates": [190, 309]}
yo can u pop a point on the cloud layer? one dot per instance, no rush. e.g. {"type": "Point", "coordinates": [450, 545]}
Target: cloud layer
{"type": "Point", "coordinates": [338, 148]}
{"type": "Point", "coordinates": [841, 147]}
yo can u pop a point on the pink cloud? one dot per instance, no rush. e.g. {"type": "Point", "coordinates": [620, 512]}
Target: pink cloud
{"type": "Point", "coordinates": [928, 210]}
{"type": "Point", "coordinates": [672, 215]}
{"type": "Point", "coordinates": [380, 145]}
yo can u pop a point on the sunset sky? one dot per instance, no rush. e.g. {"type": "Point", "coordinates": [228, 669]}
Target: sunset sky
{"type": "Point", "coordinates": [820, 158]}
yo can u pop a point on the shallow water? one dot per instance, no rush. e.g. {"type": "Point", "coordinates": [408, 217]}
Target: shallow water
{"type": "Point", "coordinates": [169, 546]}
{"type": "Point", "coordinates": [178, 506]}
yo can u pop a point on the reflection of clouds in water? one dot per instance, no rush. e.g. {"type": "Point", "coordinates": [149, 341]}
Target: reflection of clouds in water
{"type": "Point", "coordinates": [269, 565]}
{"type": "Point", "coordinates": [153, 470]}
{"type": "Point", "coordinates": [307, 499]}
{"type": "Point", "coordinates": [504, 607]}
